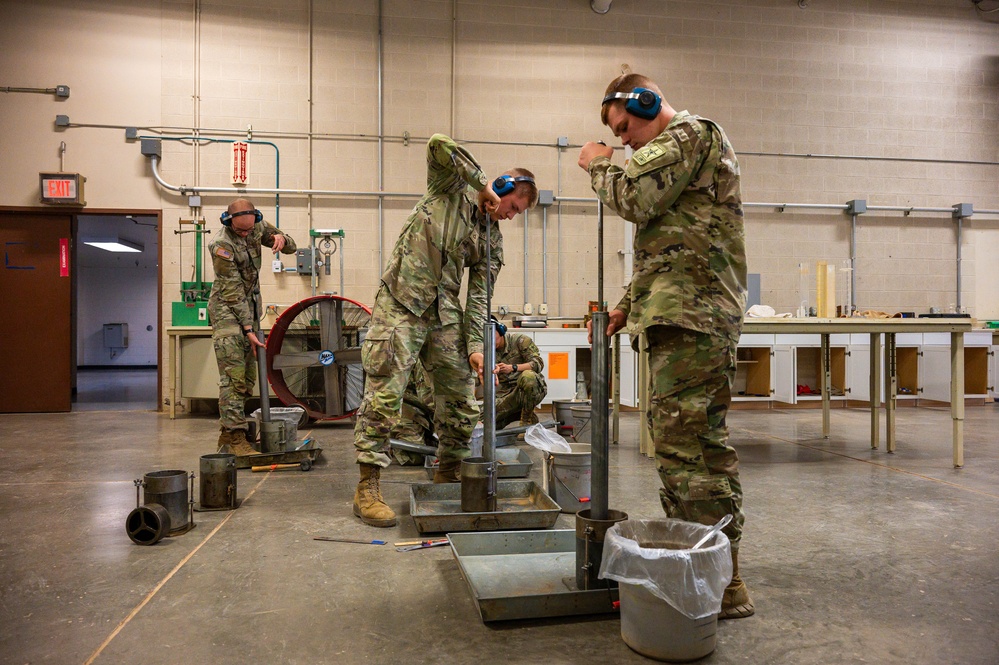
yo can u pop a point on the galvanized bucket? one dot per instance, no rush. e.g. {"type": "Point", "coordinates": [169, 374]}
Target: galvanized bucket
{"type": "Point", "coordinates": [581, 423]}
{"type": "Point", "coordinates": [569, 476]}
{"type": "Point", "coordinates": [562, 414]}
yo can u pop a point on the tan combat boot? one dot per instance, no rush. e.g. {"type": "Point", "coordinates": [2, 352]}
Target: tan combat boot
{"type": "Point", "coordinates": [225, 439]}
{"type": "Point", "coordinates": [239, 445]}
{"type": "Point", "coordinates": [736, 603]}
{"type": "Point", "coordinates": [368, 502]}
{"type": "Point", "coordinates": [448, 472]}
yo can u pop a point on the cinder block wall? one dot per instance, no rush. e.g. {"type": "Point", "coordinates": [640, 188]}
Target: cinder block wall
{"type": "Point", "coordinates": [913, 80]}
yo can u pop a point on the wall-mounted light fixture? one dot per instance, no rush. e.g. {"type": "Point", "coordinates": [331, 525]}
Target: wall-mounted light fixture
{"type": "Point", "coordinates": [114, 244]}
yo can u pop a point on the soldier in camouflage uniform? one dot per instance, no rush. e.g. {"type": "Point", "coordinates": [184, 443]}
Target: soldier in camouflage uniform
{"type": "Point", "coordinates": [681, 190]}
{"type": "Point", "coordinates": [416, 419]}
{"type": "Point", "coordinates": [521, 383]}
{"type": "Point", "coordinates": [234, 309]}
{"type": "Point", "coordinates": [417, 313]}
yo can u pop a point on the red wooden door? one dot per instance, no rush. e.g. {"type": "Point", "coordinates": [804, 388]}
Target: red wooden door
{"type": "Point", "coordinates": [36, 342]}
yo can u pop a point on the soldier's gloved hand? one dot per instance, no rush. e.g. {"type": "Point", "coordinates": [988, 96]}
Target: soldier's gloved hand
{"type": "Point", "coordinates": [615, 321]}
{"type": "Point", "coordinates": [488, 200]}
{"type": "Point", "coordinates": [591, 151]}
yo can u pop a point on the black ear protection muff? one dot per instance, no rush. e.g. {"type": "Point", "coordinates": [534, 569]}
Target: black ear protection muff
{"type": "Point", "coordinates": [505, 184]}
{"type": "Point", "coordinates": [642, 102]}
{"type": "Point", "coordinates": [226, 217]}
{"type": "Point", "coordinates": [500, 328]}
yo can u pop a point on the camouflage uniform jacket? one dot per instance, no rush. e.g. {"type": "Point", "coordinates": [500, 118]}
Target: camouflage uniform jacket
{"type": "Point", "coordinates": [444, 234]}
{"type": "Point", "coordinates": [682, 192]}
{"type": "Point", "coordinates": [517, 350]}
{"type": "Point", "coordinates": [236, 262]}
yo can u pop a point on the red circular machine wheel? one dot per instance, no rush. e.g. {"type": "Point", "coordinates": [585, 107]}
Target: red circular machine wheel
{"type": "Point", "coordinates": [314, 356]}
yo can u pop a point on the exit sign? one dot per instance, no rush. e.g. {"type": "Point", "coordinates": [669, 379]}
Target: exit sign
{"type": "Point", "coordinates": [65, 188]}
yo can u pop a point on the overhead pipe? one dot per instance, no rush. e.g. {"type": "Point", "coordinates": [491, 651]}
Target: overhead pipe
{"type": "Point", "coordinates": [198, 140]}
{"type": "Point", "coordinates": [526, 250]}
{"type": "Point", "coordinates": [544, 254]}
{"type": "Point", "coordinates": [601, 6]}
{"type": "Point", "coordinates": [381, 141]}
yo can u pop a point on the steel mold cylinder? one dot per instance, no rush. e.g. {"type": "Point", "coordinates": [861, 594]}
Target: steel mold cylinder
{"type": "Point", "coordinates": [169, 489]}
{"type": "Point", "coordinates": [590, 548]}
{"type": "Point", "coordinates": [146, 525]}
{"type": "Point", "coordinates": [217, 481]}
{"type": "Point", "coordinates": [478, 485]}
{"type": "Point", "coordinates": [272, 436]}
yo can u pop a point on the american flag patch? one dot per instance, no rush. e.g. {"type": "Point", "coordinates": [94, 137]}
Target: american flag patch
{"type": "Point", "coordinates": [223, 252]}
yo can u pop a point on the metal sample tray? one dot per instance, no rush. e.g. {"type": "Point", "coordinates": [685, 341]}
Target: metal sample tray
{"type": "Point", "coordinates": [513, 463]}
{"type": "Point", "coordinates": [309, 451]}
{"type": "Point", "coordinates": [526, 575]}
{"type": "Point", "coordinates": [520, 504]}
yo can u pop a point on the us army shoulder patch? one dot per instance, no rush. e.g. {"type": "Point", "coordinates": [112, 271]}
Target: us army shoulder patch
{"type": "Point", "coordinates": [658, 154]}
{"type": "Point", "coordinates": [224, 253]}
{"type": "Point", "coordinates": [648, 153]}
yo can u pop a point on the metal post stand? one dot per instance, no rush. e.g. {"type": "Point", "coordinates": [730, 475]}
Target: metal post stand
{"type": "Point", "coordinates": [592, 523]}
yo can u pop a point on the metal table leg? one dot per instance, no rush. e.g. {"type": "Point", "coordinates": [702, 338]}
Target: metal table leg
{"type": "Point", "coordinates": [875, 389]}
{"type": "Point", "coordinates": [891, 391]}
{"type": "Point", "coordinates": [826, 381]}
{"type": "Point", "coordinates": [173, 353]}
{"type": "Point", "coordinates": [957, 395]}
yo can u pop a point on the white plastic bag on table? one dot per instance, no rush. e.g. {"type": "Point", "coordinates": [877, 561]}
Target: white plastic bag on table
{"type": "Point", "coordinates": [546, 439]}
{"type": "Point", "coordinates": [654, 554]}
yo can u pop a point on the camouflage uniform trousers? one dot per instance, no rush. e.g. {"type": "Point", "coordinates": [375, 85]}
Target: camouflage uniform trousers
{"type": "Point", "coordinates": [395, 339]}
{"type": "Point", "coordinates": [413, 427]}
{"type": "Point", "coordinates": [237, 376]}
{"type": "Point", "coordinates": [691, 390]}
{"type": "Point", "coordinates": [524, 396]}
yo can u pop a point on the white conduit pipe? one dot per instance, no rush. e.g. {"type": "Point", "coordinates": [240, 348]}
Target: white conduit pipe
{"type": "Point", "coordinates": [526, 297]}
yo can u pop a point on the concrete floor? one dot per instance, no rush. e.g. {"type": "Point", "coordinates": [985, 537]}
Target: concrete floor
{"type": "Point", "coordinates": [852, 555]}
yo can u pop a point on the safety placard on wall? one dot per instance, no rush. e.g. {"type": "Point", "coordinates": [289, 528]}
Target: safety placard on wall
{"type": "Point", "coordinates": [558, 366]}
{"type": "Point", "coordinates": [239, 163]}
{"type": "Point", "coordinates": [64, 257]}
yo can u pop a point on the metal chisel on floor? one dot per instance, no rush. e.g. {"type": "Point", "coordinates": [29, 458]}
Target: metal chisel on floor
{"type": "Point", "coordinates": [437, 542]}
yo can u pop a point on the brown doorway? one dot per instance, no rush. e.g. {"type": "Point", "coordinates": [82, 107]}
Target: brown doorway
{"type": "Point", "coordinates": [36, 287]}
{"type": "Point", "coordinates": [39, 289]}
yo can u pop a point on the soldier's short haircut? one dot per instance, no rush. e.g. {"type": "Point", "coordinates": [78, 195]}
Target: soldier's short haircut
{"type": "Point", "coordinates": [528, 189]}
{"type": "Point", "coordinates": [232, 206]}
{"type": "Point", "coordinates": [626, 83]}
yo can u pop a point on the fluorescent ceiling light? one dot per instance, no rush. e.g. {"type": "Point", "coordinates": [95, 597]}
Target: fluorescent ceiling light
{"type": "Point", "coordinates": [113, 244]}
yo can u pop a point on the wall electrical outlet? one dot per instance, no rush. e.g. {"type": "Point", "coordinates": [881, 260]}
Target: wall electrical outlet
{"type": "Point", "coordinates": [503, 310]}
{"type": "Point", "coordinates": [276, 266]}
{"type": "Point", "coordinates": [543, 308]}
{"type": "Point", "coordinates": [528, 309]}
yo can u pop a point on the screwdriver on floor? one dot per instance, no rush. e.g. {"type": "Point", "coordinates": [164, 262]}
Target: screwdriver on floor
{"type": "Point", "coordinates": [351, 540]}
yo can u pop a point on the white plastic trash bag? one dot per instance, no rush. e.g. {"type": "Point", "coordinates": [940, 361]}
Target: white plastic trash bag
{"type": "Point", "coordinates": [653, 554]}
{"type": "Point", "coordinates": [546, 439]}
{"type": "Point", "coordinates": [475, 445]}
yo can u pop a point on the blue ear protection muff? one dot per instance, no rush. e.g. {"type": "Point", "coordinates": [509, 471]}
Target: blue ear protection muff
{"type": "Point", "coordinates": [226, 217]}
{"type": "Point", "coordinates": [642, 102]}
{"type": "Point", "coordinates": [500, 328]}
{"type": "Point", "coordinates": [505, 184]}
